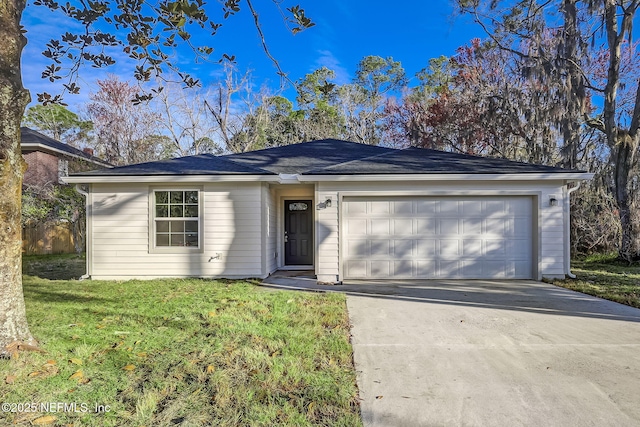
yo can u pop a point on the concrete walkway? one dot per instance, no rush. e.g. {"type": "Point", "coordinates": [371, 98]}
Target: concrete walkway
{"type": "Point", "coordinates": [490, 353]}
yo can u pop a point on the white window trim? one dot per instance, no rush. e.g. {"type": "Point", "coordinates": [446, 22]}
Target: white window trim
{"type": "Point", "coordinates": [153, 249]}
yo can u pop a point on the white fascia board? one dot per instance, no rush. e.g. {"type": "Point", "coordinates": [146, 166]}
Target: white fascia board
{"type": "Point", "coordinates": [567, 177]}
{"type": "Point", "coordinates": [167, 178]}
{"type": "Point", "coordinates": [46, 148]}
{"type": "Point", "coordinates": [289, 178]}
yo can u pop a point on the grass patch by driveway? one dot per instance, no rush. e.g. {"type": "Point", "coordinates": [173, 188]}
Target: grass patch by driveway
{"type": "Point", "coordinates": [606, 277]}
{"type": "Point", "coordinates": [183, 352]}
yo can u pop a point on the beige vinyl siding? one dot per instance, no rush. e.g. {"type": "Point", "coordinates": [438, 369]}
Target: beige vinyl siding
{"type": "Point", "coordinates": [271, 215]}
{"type": "Point", "coordinates": [231, 238]}
{"type": "Point", "coordinates": [548, 221]}
{"type": "Point", "coordinates": [327, 252]}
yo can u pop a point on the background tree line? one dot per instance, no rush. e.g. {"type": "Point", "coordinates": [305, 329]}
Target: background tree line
{"type": "Point", "coordinates": [554, 82]}
{"type": "Point", "coordinates": [547, 85]}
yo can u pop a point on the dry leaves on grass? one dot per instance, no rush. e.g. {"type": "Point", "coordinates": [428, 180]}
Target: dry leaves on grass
{"type": "Point", "coordinates": [44, 421]}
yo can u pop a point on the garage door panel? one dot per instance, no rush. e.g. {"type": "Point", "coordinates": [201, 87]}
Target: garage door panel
{"type": "Point", "coordinates": [380, 207]}
{"type": "Point", "coordinates": [403, 207]}
{"type": "Point", "coordinates": [403, 268]}
{"type": "Point", "coordinates": [449, 269]}
{"type": "Point", "coordinates": [449, 248]}
{"type": "Point", "coordinates": [380, 227]}
{"type": "Point", "coordinates": [449, 207]}
{"type": "Point", "coordinates": [473, 237]}
{"type": "Point", "coordinates": [357, 249]}
{"type": "Point", "coordinates": [356, 268]}
{"type": "Point", "coordinates": [472, 268]}
{"type": "Point", "coordinates": [472, 226]}
{"type": "Point", "coordinates": [380, 248]}
{"type": "Point", "coordinates": [355, 207]}
{"type": "Point", "coordinates": [426, 269]}
{"type": "Point", "coordinates": [403, 248]}
{"type": "Point", "coordinates": [522, 228]}
{"type": "Point", "coordinates": [426, 226]}
{"type": "Point", "coordinates": [426, 248]}
{"type": "Point", "coordinates": [472, 248]}
{"type": "Point", "coordinates": [449, 226]}
{"type": "Point", "coordinates": [380, 268]}
{"type": "Point", "coordinates": [426, 207]}
{"type": "Point", "coordinates": [356, 227]}
{"type": "Point", "coordinates": [402, 227]}
{"type": "Point", "coordinates": [472, 207]}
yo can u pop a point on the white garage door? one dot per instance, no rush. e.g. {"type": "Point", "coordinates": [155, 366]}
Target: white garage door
{"type": "Point", "coordinates": [437, 237]}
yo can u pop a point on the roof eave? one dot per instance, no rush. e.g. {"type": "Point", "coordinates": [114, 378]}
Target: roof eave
{"type": "Point", "coordinates": [294, 178]}
{"type": "Point", "coordinates": [546, 176]}
{"type": "Point", "coordinates": [113, 179]}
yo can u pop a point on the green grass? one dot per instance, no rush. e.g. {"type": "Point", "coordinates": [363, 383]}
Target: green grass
{"type": "Point", "coordinates": [184, 352]}
{"type": "Point", "coordinates": [606, 277]}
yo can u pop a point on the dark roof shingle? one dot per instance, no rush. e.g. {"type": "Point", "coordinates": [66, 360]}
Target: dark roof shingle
{"type": "Point", "coordinates": [421, 160]}
{"type": "Point", "coordinates": [329, 157]}
{"type": "Point", "coordinates": [300, 158]}
{"type": "Point", "coordinates": [201, 164]}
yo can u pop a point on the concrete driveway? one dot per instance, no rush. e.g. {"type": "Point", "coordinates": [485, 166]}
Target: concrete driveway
{"type": "Point", "coordinates": [490, 353]}
{"type": "Point", "coordinates": [503, 353]}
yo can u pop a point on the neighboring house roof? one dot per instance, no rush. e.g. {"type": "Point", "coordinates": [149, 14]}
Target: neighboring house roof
{"type": "Point", "coordinates": [332, 157]}
{"type": "Point", "coordinates": [32, 140]}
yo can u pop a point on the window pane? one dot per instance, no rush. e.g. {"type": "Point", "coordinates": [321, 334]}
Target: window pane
{"type": "Point", "coordinates": [177, 211]}
{"type": "Point", "coordinates": [177, 197]}
{"type": "Point", "coordinates": [177, 240]}
{"type": "Point", "coordinates": [191, 211]}
{"type": "Point", "coordinates": [192, 239]}
{"type": "Point", "coordinates": [162, 197]}
{"type": "Point", "coordinates": [177, 226]}
{"type": "Point", "coordinates": [162, 211]}
{"type": "Point", "coordinates": [191, 197]}
{"type": "Point", "coordinates": [162, 239]}
{"type": "Point", "coordinates": [191, 226]}
{"type": "Point", "coordinates": [176, 214]}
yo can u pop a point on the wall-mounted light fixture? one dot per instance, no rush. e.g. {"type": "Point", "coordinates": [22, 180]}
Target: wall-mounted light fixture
{"type": "Point", "coordinates": [553, 201]}
{"type": "Point", "coordinates": [327, 203]}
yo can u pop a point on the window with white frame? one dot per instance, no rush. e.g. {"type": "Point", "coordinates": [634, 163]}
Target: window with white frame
{"type": "Point", "coordinates": [176, 218]}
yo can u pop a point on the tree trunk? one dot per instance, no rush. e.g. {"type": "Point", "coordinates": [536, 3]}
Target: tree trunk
{"type": "Point", "coordinates": [623, 143]}
{"type": "Point", "coordinates": [13, 101]}
{"type": "Point", "coordinates": [574, 86]}
{"type": "Point", "coordinates": [624, 155]}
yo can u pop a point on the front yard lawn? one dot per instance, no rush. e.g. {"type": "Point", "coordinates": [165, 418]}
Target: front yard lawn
{"type": "Point", "coordinates": [606, 277]}
{"type": "Point", "coordinates": [181, 352]}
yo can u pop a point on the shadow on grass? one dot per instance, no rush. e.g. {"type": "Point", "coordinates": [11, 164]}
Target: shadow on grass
{"type": "Point", "coordinates": [511, 295]}
{"type": "Point", "coordinates": [52, 292]}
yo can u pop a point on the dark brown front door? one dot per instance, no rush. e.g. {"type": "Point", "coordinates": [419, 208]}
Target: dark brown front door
{"type": "Point", "coordinates": [298, 232]}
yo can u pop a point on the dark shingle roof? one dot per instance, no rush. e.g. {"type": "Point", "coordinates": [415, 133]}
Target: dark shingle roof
{"type": "Point", "coordinates": [421, 160]}
{"type": "Point", "coordinates": [202, 164]}
{"type": "Point", "coordinates": [300, 158]}
{"type": "Point", "coordinates": [329, 157]}
{"type": "Point", "coordinates": [30, 139]}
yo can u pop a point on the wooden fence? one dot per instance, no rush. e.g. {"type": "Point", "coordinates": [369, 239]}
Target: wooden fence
{"type": "Point", "coordinates": [47, 238]}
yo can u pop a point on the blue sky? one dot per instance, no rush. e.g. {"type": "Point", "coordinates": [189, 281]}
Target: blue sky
{"type": "Point", "coordinates": [345, 32]}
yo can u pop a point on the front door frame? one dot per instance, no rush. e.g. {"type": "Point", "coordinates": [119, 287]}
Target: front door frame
{"type": "Point", "coordinates": [284, 201]}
